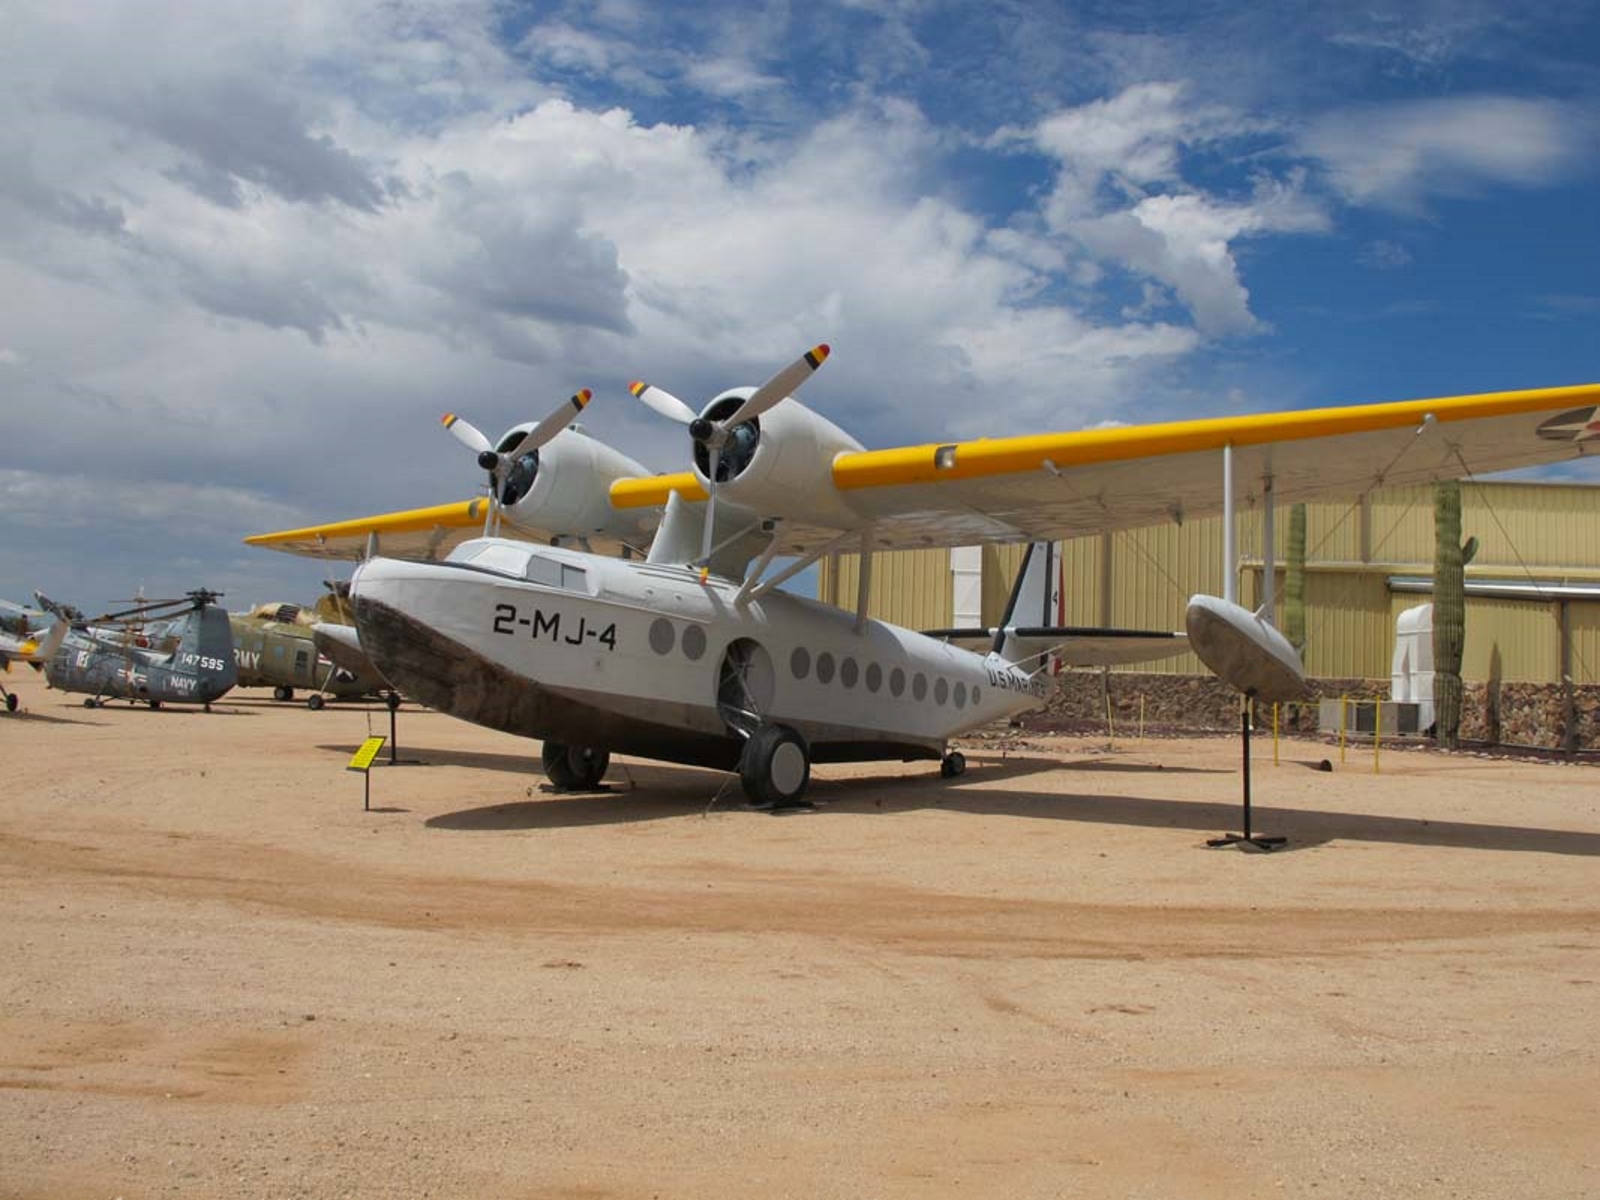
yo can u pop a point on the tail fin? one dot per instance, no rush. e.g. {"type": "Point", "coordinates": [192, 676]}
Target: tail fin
{"type": "Point", "coordinates": [1035, 603]}
{"type": "Point", "coordinates": [207, 645]}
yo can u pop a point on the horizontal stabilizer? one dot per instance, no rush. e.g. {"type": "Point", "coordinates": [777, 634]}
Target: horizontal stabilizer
{"type": "Point", "coordinates": [1076, 646]}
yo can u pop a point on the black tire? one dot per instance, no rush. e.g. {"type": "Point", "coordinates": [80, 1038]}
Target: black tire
{"type": "Point", "coordinates": [393, 701]}
{"type": "Point", "coordinates": [575, 768]}
{"type": "Point", "coordinates": [775, 767]}
{"type": "Point", "coordinates": [90, 702]}
{"type": "Point", "coordinates": [558, 767]}
{"type": "Point", "coordinates": [153, 703]}
{"type": "Point", "coordinates": [953, 764]}
{"type": "Point", "coordinates": [11, 702]}
{"type": "Point", "coordinates": [283, 692]}
{"type": "Point", "coordinates": [314, 702]}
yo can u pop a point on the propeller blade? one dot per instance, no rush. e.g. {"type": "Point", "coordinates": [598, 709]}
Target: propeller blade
{"type": "Point", "coordinates": [711, 507]}
{"type": "Point", "coordinates": [550, 426]}
{"type": "Point", "coordinates": [467, 434]}
{"type": "Point", "coordinates": [785, 383]}
{"type": "Point", "coordinates": [663, 402]}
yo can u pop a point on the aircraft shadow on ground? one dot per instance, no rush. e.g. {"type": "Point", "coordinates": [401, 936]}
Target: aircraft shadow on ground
{"type": "Point", "coordinates": [657, 792]}
{"type": "Point", "coordinates": [32, 716]}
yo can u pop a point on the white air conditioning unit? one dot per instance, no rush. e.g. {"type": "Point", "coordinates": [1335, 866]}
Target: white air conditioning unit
{"type": "Point", "coordinates": [1411, 677]}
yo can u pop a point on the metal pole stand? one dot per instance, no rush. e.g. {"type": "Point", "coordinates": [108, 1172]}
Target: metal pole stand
{"type": "Point", "coordinates": [392, 702]}
{"type": "Point", "coordinates": [1253, 841]}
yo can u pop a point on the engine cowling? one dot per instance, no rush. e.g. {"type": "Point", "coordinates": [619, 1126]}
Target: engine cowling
{"type": "Point", "coordinates": [780, 464]}
{"type": "Point", "coordinates": [563, 488]}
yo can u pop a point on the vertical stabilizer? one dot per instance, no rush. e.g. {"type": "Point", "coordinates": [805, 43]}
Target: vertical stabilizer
{"type": "Point", "coordinates": [1035, 603]}
{"type": "Point", "coordinates": [206, 649]}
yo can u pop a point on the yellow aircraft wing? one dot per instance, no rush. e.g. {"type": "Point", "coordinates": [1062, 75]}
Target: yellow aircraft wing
{"type": "Point", "coordinates": [1053, 486]}
{"type": "Point", "coordinates": [1060, 485]}
{"type": "Point", "coordinates": [420, 533]}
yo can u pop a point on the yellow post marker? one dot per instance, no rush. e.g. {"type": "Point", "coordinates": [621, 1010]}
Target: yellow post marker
{"type": "Point", "coordinates": [1344, 708]}
{"type": "Point", "coordinates": [1377, 732]}
{"type": "Point", "coordinates": [1111, 730]}
{"type": "Point", "coordinates": [361, 761]}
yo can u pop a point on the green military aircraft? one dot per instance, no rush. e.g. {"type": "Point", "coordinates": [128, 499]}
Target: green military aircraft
{"type": "Point", "coordinates": [274, 647]}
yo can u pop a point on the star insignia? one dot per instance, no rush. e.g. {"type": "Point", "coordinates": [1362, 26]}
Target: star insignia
{"type": "Point", "coordinates": [1579, 425]}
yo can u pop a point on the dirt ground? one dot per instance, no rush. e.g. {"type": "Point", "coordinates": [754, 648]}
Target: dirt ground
{"type": "Point", "coordinates": [223, 978]}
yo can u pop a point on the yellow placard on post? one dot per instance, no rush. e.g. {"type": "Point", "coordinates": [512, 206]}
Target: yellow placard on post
{"type": "Point", "coordinates": [362, 759]}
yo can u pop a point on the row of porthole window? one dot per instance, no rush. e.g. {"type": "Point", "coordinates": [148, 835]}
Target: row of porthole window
{"type": "Point", "coordinates": [664, 638]}
{"type": "Point", "coordinates": [849, 674]}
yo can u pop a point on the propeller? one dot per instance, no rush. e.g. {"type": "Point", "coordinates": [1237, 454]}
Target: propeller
{"type": "Point", "coordinates": [714, 434]}
{"type": "Point", "coordinates": [498, 463]}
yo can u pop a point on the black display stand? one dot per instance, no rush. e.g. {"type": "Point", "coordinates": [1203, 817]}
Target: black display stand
{"type": "Point", "coordinates": [1248, 838]}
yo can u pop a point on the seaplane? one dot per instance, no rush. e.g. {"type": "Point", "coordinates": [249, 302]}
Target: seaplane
{"type": "Point", "coordinates": [602, 609]}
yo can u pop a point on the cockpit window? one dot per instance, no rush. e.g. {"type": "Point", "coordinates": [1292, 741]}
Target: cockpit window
{"type": "Point", "coordinates": [506, 560]}
{"type": "Point", "coordinates": [553, 573]}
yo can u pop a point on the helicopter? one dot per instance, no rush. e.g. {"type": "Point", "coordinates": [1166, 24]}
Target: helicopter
{"type": "Point", "coordinates": [198, 667]}
{"type": "Point", "coordinates": [275, 645]}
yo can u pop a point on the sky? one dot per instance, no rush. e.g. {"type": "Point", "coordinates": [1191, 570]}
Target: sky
{"type": "Point", "coordinates": [249, 253]}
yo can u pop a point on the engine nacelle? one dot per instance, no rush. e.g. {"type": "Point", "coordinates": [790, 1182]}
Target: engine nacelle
{"type": "Point", "coordinates": [779, 464]}
{"type": "Point", "coordinates": [564, 489]}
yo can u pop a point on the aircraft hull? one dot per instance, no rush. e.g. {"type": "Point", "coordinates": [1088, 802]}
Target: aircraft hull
{"type": "Point", "coordinates": [636, 659]}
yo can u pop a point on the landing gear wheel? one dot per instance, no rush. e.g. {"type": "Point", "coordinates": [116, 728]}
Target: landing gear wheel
{"type": "Point", "coordinates": [90, 702]}
{"type": "Point", "coordinates": [283, 692]}
{"type": "Point", "coordinates": [393, 701]}
{"type": "Point", "coordinates": [575, 768]}
{"type": "Point", "coordinates": [11, 702]}
{"type": "Point", "coordinates": [775, 767]}
{"type": "Point", "coordinates": [953, 764]}
{"type": "Point", "coordinates": [314, 702]}
{"type": "Point", "coordinates": [153, 703]}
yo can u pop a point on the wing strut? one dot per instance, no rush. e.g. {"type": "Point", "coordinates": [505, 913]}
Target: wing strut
{"type": "Point", "coordinates": [863, 579]}
{"type": "Point", "coordinates": [799, 564]}
{"type": "Point", "coordinates": [1269, 556]}
{"type": "Point", "coordinates": [1230, 532]}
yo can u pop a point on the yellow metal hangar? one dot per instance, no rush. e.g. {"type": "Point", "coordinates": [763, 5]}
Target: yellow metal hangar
{"type": "Point", "coordinates": [1533, 589]}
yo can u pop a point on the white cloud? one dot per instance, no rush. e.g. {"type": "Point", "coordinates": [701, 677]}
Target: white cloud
{"type": "Point", "coordinates": [1397, 155]}
{"type": "Point", "coordinates": [1121, 192]}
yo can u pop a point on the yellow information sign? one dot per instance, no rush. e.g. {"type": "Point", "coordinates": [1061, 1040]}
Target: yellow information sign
{"type": "Point", "coordinates": [364, 756]}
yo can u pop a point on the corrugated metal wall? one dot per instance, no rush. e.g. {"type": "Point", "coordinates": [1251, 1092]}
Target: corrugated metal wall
{"type": "Point", "coordinates": [909, 587]}
{"type": "Point", "coordinates": [1142, 579]}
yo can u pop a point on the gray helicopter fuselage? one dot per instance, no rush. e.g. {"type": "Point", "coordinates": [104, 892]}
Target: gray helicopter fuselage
{"type": "Point", "coordinates": [198, 670]}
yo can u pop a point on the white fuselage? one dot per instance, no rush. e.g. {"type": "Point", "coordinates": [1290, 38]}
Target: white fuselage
{"type": "Point", "coordinates": [652, 660]}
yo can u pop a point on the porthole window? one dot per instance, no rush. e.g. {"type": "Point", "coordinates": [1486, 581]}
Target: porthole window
{"type": "Point", "coordinates": [941, 690]}
{"type": "Point", "coordinates": [874, 678]}
{"type": "Point", "coordinates": [974, 696]}
{"type": "Point", "coordinates": [897, 683]}
{"type": "Point", "coordinates": [694, 643]}
{"type": "Point", "coordinates": [824, 667]}
{"type": "Point", "coordinates": [961, 695]}
{"type": "Point", "coordinates": [848, 672]}
{"type": "Point", "coordinates": [662, 636]}
{"type": "Point", "coordinates": [919, 687]}
{"type": "Point", "coordinates": [800, 662]}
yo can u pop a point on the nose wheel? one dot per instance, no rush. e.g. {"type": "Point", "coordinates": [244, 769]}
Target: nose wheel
{"type": "Point", "coordinates": [953, 765]}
